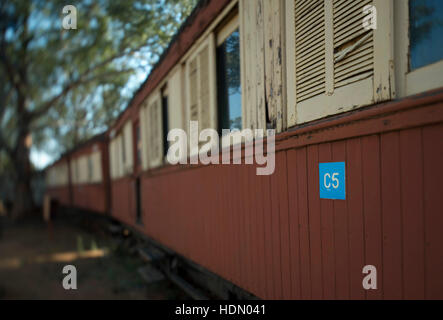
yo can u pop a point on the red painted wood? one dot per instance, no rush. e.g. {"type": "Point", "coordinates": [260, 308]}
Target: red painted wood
{"type": "Point", "coordinates": [274, 237]}
{"type": "Point", "coordinates": [327, 232]}
{"type": "Point", "coordinates": [411, 155]}
{"type": "Point", "coordinates": [315, 233]}
{"type": "Point", "coordinates": [354, 198]}
{"type": "Point", "coordinates": [372, 208]}
{"type": "Point", "coordinates": [275, 234]}
{"type": "Point", "coordinates": [282, 171]}
{"type": "Point", "coordinates": [294, 233]}
{"type": "Point", "coordinates": [432, 138]}
{"type": "Point", "coordinates": [392, 273]}
{"type": "Point", "coordinates": [341, 233]}
{"type": "Point", "coordinates": [303, 205]}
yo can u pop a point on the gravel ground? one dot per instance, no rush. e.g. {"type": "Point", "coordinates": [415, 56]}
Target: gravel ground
{"type": "Point", "coordinates": [32, 258]}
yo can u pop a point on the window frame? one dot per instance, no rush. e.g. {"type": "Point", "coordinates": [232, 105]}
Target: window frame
{"type": "Point", "coordinates": [421, 79]}
{"type": "Point", "coordinates": [352, 95]}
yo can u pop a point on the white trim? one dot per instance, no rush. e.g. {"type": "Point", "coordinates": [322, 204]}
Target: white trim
{"type": "Point", "coordinates": [425, 78]}
{"type": "Point", "coordinates": [228, 29]}
{"type": "Point", "coordinates": [290, 63]}
{"type": "Point", "coordinates": [419, 80]}
{"type": "Point", "coordinates": [344, 99]}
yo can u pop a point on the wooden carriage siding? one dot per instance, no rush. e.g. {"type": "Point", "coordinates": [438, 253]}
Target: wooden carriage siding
{"type": "Point", "coordinates": [88, 196]}
{"type": "Point", "coordinates": [272, 235]}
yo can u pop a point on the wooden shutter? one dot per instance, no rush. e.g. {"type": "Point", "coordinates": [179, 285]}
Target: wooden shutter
{"type": "Point", "coordinates": [309, 48]}
{"type": "Point", "coordinates": [97, 167]}
{"type": "Point", "coordinates": [155, 146]}
{"type": "Point", "coordinates": [193, 92]}
{"type": "Point", "coordinates": [338, 64]}
{"type": "Point", "coordinates": [128, 145]}
{"type": "Point", "coordinates": [202, 85]}
{"type": "Point", "coordinates": [144, 136]}
{"type": "Point", "coordinates": [175, 99]}
{"type": "Point", "coordinates": [353, 45]}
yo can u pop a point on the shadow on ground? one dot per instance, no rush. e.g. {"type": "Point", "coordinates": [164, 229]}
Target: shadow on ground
{"type": "Point", "coordinates": [32, 258]}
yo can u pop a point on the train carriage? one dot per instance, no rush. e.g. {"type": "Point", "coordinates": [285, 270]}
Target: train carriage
{"type": "Point", "coordinates": [57, 182]}
{"type": "Point", "coordinates": [89, 166]}
{"type": "Point", "coordinates": [339, 82]}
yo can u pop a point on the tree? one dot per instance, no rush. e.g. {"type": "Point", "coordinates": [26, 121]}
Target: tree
{"type": "Point", "coordinates": [55, 79]}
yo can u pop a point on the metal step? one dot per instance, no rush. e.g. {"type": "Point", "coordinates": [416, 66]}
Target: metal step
{"type": "Point", "coordinates": [151, 255]}
{"type": "Point", "coordinates": [193, 292]}
{"type": "Point", "coordinates": [150, 274]}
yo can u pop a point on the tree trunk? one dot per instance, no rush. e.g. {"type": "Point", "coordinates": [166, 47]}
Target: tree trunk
{"type": "Point", "coordinates": [23, 200]}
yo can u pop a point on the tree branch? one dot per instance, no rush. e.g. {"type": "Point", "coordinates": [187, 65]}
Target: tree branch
{"type": "Point", "coordinates": [5, 146]}
{"type": "Point", "coordinates": [46, 106]}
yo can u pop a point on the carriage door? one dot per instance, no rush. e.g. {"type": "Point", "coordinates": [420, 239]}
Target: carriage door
{"type": "Point", "coordinates": [138, 170]}
{"type": "Point", "coordinates": [138, 208]}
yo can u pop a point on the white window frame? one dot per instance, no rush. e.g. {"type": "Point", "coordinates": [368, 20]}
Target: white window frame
{"type": "Point", "coordinates": [419, 80]}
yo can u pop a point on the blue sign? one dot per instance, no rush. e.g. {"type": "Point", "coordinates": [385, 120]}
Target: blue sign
{"type": "Point", "coordinates": [332, 180]}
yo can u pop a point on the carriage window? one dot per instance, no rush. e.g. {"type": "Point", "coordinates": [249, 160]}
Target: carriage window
{"type": "Point", "coordinates": [425, 31]}
{"type": "Point", "coordinates": [228, 83]}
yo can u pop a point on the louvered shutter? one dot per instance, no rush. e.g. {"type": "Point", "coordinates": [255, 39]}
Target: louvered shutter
{"type": "Point", "coordinates": [353, 45]}
{"type": "Point", "coordinates": [155, 147]}
{"type": "Point", "coordinates": [338, 64]}
{"type": "Point", "coordinates": [127, 136]}
{"type": "Point", "coordinates": [144, 135]}
{"type": "Point", "coordinates": [193, 92]}
{"type": "Point", "coordinates": [309, 48]}
{"type": "Point", "coordinates": [205, 100]}
{"type": "Point", "coordinates": [96, 164]}
{"type": "Point", "coordinates": [202, 84]}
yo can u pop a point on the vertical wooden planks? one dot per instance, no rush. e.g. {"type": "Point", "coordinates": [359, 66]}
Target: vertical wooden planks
{"type": "Point", "coordinates": [273, 48]}
{"type": "Point", "coordinates": [372, 208]}
{"type": "Point", "coordinates": [391, 277]}
{"type": "Point", "coordinates": [267, 211]}
{"type": "Point", "coordinates": [412, 207]}
{"type": "Point", "coordinates": [314, 223]}
{"type": "Point", "coordinates": [327, 231]}
{"type": "Point", "coordinates": [237, 221]}
{"type": "Point", "coordinates": [260, 235]}
{"type": "Point", "coordinates": [281, 172]}
{"type": "Point", "coordinates": [276, 245]}
{"type": "Point", "coordinates": [304, 223]}
{"type": "Point", "coordinates": [262, 73]}
{"type": "Point", "coordinates": [260, 65]}
{"type": "Point", "coordinates": [433, 204]}
{"type": "Point", "coordinates": [294, 233]}
{"type": "Point", "coordinates": [341, 232]}
{"type": "Point", "coordinates": [354, 196]}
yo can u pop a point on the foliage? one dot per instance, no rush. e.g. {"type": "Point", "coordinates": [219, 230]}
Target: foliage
{"type": "Point", "coordinates": [63, 86]}
{"type": "Point", "coordinates": [74, 82]}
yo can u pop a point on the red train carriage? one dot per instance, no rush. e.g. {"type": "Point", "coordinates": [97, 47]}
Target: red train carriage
{"type": "Point", "coordinates": [125, 164]}
{"type": "Point", "coordinates": [81, 177]}
{"type": "Point", "coordinates": [58, 182]}
{"type": "Point", "coordinates": [89, 167]}
{"type": "Point", "coordinates": [332, 86]}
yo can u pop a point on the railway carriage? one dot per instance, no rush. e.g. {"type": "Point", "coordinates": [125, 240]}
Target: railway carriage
{"type": "Point", "coordinates": [57, 182]}
{"type": "Point", "coordinates": [82, 181]}
{"type": "Point", "coordinates": [337, 87]}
